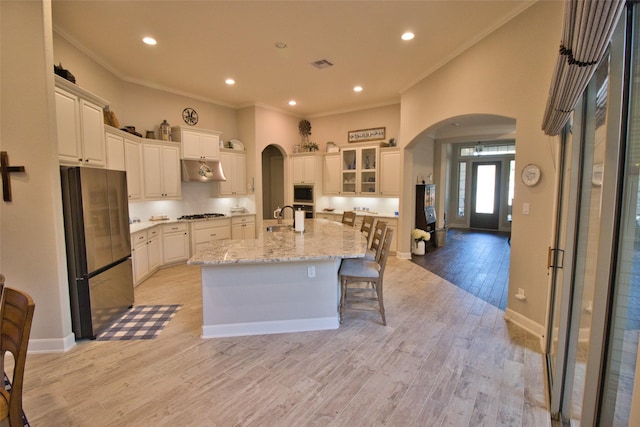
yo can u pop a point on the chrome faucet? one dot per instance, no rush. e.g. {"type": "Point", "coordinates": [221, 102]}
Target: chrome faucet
{"type": "Point", "coordinates": [281, 215]}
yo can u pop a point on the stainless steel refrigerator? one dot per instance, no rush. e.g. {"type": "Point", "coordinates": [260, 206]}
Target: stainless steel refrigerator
{"type": "Point", "coordinates": [96, 222]}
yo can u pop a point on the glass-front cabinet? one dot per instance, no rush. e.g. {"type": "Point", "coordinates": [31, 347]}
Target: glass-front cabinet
{"type": "Point", "coordinates": [359, 171]}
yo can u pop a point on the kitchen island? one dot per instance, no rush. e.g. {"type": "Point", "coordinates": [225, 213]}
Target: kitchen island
{"type": "Point", "coordinates": [283, 281]}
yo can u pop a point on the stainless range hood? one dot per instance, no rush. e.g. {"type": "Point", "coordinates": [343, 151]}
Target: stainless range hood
{"type": "Point", "coordinates": [201, 171]}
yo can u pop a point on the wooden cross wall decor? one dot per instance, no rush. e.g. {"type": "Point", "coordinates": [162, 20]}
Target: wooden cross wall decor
{"type": "Point", "coordinates": [5, 170]}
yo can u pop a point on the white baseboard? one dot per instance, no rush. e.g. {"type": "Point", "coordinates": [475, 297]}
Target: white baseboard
{"type": "Point", "coordinates": [52, 345]}
{"type": "Point", "coordinates": [528, 325]}
{"type": "Point", "coordinates": [270, 327]}
{"type": "Point", "coordinates": [403, 255]}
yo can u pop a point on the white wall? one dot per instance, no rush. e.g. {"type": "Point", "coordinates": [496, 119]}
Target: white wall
{"type": "Point", "coordinates": [336, 126]}
{"type": "Point", "coordinates": [507, 74]}
{"type": "Point", "coordinates": [31, 231]}
{"type": "Point", "coordinates": [140, 106]}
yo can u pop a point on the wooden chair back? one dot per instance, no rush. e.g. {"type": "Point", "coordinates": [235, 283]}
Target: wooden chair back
{"type": "Point", "coordinates": [16, 315]}
{"type": "Point", "coordinates": [377, 239]}
{"type": "Point", "coordinates": [349, 218]}
{"type": "Point", "coordinates": [367, 227]}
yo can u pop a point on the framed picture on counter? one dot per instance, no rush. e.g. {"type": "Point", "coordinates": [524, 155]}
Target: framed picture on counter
{"type": "Point", "coordinates": [363, 135]}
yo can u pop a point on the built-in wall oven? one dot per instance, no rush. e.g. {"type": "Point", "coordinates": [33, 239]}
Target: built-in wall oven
{"type": "Point", "coordinates": [308, 209]}
{"type": "Point", "coordinates": [303, 194]}
{"type": "Point", "coordinates": [303, 199]}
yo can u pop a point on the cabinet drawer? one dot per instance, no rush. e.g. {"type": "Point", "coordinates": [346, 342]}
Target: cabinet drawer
{"type": "Point", "coordinates": [152, 233]}
{"type": "Point", "coordinates": [139, 238]}
{"type": "Point", "coordinates": [200, 225]}
{"type": "Point", "coordinates": [243, 220]}
{"type": "Point", "coordinates": [213, 233]}
{"type": "Point", "coordinates": [175, 227]}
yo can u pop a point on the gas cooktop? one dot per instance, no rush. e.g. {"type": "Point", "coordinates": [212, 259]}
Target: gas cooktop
{"type": "Point", "coordinates": [201, 216]}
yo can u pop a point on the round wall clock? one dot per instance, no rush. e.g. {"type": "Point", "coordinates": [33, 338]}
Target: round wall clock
{"type": "Point", "coordinates": [190, 116]}
{"type": "Point", "coordinates": [530, 175]}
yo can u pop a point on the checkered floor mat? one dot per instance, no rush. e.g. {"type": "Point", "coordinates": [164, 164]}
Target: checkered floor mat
{"type": "Point", "coordinates": [140, 323]}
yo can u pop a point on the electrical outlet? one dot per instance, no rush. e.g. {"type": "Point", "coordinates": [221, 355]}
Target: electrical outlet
{"type": "Point", "coordinates": [311, 271]}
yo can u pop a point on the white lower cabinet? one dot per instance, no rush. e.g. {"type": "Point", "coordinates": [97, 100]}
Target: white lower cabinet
{"type": "Point", "coordinates": [243, 227]}
{"type": "Point", "coordinates": [154, 249]}
{"type": "Point", "coordinates": [329, 216]}
{"type": "Point", "coordinates": [175, 242]}
{"type": "Point", "coordinates": [139, 256]}
{"type": "Point", "coordinates": [146, 253]}
{"type": "Point", "coordinates": [205, 232]}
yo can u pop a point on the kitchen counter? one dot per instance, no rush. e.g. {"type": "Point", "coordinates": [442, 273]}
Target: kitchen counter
{"type": "Point", "coordinates": [143, 225]}
{"type": "Point", "coordinates": [281, 282]}
{"type": "Point", "coordinates": [359, 213]}
{"type": "Point", "coordinates": [321, 240]}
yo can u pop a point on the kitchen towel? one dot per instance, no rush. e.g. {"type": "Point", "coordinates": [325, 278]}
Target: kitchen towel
{"type": "Point", "coordinates": [299, 217]}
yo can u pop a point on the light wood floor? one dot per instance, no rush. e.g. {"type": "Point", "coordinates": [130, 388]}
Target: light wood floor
{"type": "Point", "coordinates": [445, 358]}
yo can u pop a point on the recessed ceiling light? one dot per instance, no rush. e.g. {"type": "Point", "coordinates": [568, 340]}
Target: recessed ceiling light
{"type": "Point", "coordinates": [150, 41]}
{"type": "Point", "coordinates": [281, 45]}
{"type": "Point", "coordinates": [408, 36]}
{"type": "Point", "coordinates": [357, 88]}
{"type": "Point", "coordinates": [292, 102]}
{"type": "Point", "coordinates": [230, 82]}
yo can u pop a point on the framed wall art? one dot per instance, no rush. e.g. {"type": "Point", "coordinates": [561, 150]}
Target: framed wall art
{"type": "Point", "coordinates": [363, 135]}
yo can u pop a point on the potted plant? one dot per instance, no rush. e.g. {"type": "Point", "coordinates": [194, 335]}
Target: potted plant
{"type": "Point", "coordinates": [420, 237]}
{"type": "Point", "coordinates": [310, 146]}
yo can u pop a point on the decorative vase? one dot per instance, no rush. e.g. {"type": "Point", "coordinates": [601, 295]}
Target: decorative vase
{"type": "Point", "coordinates": [419, 247]}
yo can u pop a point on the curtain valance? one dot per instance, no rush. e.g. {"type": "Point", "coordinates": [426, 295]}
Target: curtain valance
{"type": "Point", "coordinates": [588, 26]}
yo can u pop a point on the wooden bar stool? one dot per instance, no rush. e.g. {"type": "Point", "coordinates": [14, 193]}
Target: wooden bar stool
{"type": "Point", "coordinates": [349, 218]}
{"type": "Point", "coordinates": [359, 270]}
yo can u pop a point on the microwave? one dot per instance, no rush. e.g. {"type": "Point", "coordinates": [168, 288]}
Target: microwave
{"type": "Point", "coordinates": [303, 193]}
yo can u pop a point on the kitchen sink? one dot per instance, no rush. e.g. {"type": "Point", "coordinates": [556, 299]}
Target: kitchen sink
{"type": "Point", "coordinates": [275, 228]}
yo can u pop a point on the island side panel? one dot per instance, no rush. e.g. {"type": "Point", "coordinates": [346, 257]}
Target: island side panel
{"type": "Point", "coordinates": [269, 298]}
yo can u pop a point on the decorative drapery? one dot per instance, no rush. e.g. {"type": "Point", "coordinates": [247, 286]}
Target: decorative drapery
{"type": "Point", "coordinates": [588, 26]}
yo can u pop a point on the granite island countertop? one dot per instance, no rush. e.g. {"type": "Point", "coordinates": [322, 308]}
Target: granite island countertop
{"type": "Point", "coordinates": [321, 240]}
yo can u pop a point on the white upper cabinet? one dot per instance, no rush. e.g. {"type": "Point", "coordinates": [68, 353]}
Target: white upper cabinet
{"type": "Point", "coordinates": [332, 173]}
{"type": "Point", "coordinates": [161, 165]}
{"type": "Point", "coordinates": [80, 125]}
{"type": "Point", "coordinates": [303, 169]}
{"type": "Point", "coordinates": [124, 152]}
{"type": "Point", "coordinates": [197, 144]}
{"type": "Point", "coordinates": [133, 166]}
{"type": "Point", "coordinates": [115, 150]}
{"type": "Point", "coordinates": [389, 172]}
{"type": "Point", "coordinates": [80, 130]}
{"type": "Point", "coordinates": [359, 171]}
{"type": "Point", "coordinates": [234, 166]}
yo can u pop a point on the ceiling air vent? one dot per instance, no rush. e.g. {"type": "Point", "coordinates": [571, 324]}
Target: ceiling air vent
{"type": "Point", "coordinates": [322, 63]}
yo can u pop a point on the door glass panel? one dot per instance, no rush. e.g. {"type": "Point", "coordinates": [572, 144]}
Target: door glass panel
{"type": "Point", "coordinates": [462, 185]}
{"type": "Point", "coordinates": [618, 405]}
{"type": "Point", "coordinates": [588, 237]}
{"type": "Point", "coordinates": [511, 189]}
{"type": "Point", "coordinates": [485, 189]}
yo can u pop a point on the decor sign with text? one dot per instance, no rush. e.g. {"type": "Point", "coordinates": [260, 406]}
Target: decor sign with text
{"type": "Point", "coordinates": [366, 134]}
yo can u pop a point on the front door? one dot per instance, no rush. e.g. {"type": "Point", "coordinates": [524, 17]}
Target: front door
{"type": "Point", "coordinates": [485, 195]}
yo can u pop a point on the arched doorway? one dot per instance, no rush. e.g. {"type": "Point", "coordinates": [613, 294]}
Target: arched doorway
{"type": "Point", "coordinates": [452, 153]}
{"type": "Point", "coordinates": [273, 191]}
